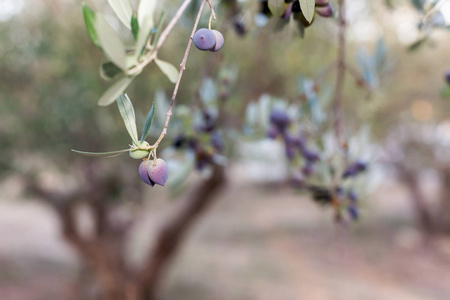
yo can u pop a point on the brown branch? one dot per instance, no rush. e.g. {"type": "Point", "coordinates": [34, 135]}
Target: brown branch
{"type": "Point", "coordinates": [174, 230]}
{"type": "Point", "coordinates": [180, 74]}
{"type": "Point", "coordinates": [340, 80]}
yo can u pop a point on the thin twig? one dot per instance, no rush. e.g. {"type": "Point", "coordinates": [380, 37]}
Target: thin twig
{"type": "Point", "coordinates": [180, 74]}
{"type": "Point", "coordinates": [357, 75]}
{"type": "Point", "coordinates": [338, 96]}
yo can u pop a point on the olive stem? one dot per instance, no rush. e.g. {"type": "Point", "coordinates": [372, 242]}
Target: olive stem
{"type": "Point", "coordinates": [209, 23]}
{"type": "Point", "coordinates": [180, 74]}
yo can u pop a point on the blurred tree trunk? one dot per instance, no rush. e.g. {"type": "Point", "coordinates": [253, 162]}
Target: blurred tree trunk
{"type": "Point", "coordinates": [445, 200]}
{"type": "Point", "coordinates": [412, 182]}
{"type": "Point", "coordinates": [103, 249]}
{"type": "Point", "coordinates": [174, 230]}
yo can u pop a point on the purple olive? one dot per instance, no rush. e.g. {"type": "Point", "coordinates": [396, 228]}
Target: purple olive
{"type": "Point", "coordinates": [158, 171]}
{"type": "Point", "coordinates": [219, 41]}
{"type": "Point", "coordinates": [204, 39]}
{"type": "Point", "coordinates": [322, 2]}
{"type": "Point", "coordinates": [280, 119]}
{"type": "Point", "coordinates": [288, 12]}
{"type": "Point", "coordinates": [217, 141]}
{"type": "Point", "coordinates": [447, 77]}
{"type": "Point", "coordinates": [143, 172]}
{"type": "Point", "coordinates": [354, 169]}
{"type": "Point", "coordinates": [290, 151]}
{"type": "Point", "coordinates": [353, 212]}
{"type": "Point", "coordinates": [309, 155]}
{"type": "Point", "coordinates": [272, 133]}
{"type": "Point", "coordinates": [240, 28]}
{"type": "Point", "coordinates": [325, 11]}
{"type": "Point", "coordinates": [308, 169]}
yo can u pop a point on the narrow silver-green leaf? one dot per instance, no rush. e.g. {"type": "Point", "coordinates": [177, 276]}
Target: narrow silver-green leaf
{"type": "Point", "coordinates": [111, 43]}
{"type": "Point", "coordinates": [102, 154]}
{"type": "Point", "coordinates": [90, 21]}
{"type": "Point", "coordinates": [159, 28]}
{"type": "Point", "coordinates": [114, 91]}
{"type": "Point", "coordinates": [277, 7]}
{"type": "Point", "coordinates": [145, 10]}
{"type": "Point", "coordinates": [123, 10]}
{"type": "Point", "coordinates": [307, 7]}
{"type": "Point", "coordinates": [129, 118]}
{"type": "Point", "coordinates": [148, 123]}
{"type": "Point", "coordinates": [145, 29]}
{"type": "Point", "coordinates": [168, 69]}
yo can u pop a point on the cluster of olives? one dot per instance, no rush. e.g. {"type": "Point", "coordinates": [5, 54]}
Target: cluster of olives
{"type": "Point", "coordinates": [206, 141]}
{"type": "Point", "coordinates": [208, 40]}
{"type": "Point", "coordinates": [294, 144]}
{"type": "Point", "coordinates": [154, 171]}
{"type": "Point", "coordinates": [323, 8]}
{"type": "Point", "coordinates": [297, 144]}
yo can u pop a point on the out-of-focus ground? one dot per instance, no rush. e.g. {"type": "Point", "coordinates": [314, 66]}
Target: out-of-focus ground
{"type": "Point", "coordinates": [257, 242]}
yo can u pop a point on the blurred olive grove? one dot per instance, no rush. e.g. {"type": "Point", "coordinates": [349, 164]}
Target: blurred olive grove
{"type": "Point", "coordinates": [50, 85]}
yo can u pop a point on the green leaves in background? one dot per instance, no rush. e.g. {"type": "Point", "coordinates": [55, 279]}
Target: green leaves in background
{"type": "Point", "coordinates": [123, 10]}
{"type": "Point", "coordinates": [134, 26]}
{"type": "Point", "coordinates": [168, 69]}
{"type": "Point", "coordinates": [277, 7]}
{"type": "Point", "coordinates": [108, 70]}
{"type": "Point", "coordinates": [90, 21]}
{"type": "Point", "coordinates": [111, 43]}
{"type": "Point", "coordinates": [307, 7]}
{"type": "Point", "coordinates": [445, 92]}
{"type": "Point", "coordinates": [148, 123]}
{"type": "Point", "coordinates": [114, 91]}
{"type": "Point", "coordinates": [129, 118]}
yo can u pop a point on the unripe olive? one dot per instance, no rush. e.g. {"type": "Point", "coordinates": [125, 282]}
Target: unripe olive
{"type": "Point", "coordinates": [219, 41]}
{"type": "Point", "coordinates": [204, 39]}
{"type": "Point", "coordinates": [140, 153]}
{"type": "Point", "coordinates": [158, 171]}
{"type": "Point", "coordinates": [143, 172]}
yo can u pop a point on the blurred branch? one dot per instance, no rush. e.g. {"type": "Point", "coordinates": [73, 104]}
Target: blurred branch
{"type": "Point", "coordinates": [340, 80]}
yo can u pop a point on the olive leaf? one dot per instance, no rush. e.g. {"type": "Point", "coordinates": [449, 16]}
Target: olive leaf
{"type": "Point", "coordinates": [276, 7]}
{"type": "Point", "coordinates": [162, 17]}
{"type": "Point", "coordinates": [148, 123]}
{"type": "Point", "coordinates": [111, 43]}
{"type": "Point", "coordinates": [103, 154]}
{"type": "Point", "coordinates": [90, 21]}
{"type": "Point", "coordinates": [123, 10]}
{"type": "Point", "coordinates": [307, 7]}
{"type": "Point", "coordinates": [168, 69]}
{"type": "Point", "coordinates": [145, 11]}
{"type": "Point", "coordinates": [145, 28]}
{"type": "Point", "coordinates": [129, 118]}
{"type": "Point", "coordinates": [114, 91]}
